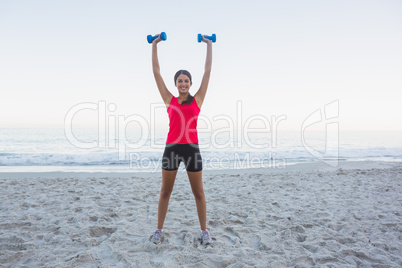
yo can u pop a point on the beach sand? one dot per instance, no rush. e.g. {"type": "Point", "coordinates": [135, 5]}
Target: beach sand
{"type": "Point", "coordinates": [306, 215]}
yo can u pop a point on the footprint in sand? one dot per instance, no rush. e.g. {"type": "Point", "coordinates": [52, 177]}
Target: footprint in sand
{"type": "Point", "coordinates": [101, 231]}
{"type": "Point", "coordinates": [298, 233]}
{"type": "Point", "coordinates": [231, 236]}
{"type": "Point", "coordinates": [311, 248]}
{"type": "Point", "coordinates": [12, 244]}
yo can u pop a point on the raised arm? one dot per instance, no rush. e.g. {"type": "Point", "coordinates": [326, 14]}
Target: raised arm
{"type": "Point", "coordinates": [200, 95]}
{"type": "Point", "coordinates": [165, 93]}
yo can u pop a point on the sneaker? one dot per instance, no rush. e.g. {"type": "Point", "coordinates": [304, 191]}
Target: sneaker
{"type": "Point", "coordinates": [158, 237]}
{"type": "Point", "coordinates": [205, 238]}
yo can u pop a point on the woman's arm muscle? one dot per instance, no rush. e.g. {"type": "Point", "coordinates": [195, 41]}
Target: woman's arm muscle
{"type": "Point", "coordinates": [200, 95]}
{"type": "Point", "coordinates": [165, 93]}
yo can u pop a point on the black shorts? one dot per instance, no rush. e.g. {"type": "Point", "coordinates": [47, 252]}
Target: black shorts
{"type": "Point", "coordinates": [175, 153]}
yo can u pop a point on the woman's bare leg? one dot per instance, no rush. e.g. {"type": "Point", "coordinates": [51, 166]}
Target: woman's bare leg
{"type": "Point", "coordinates": [168, 178]}
{"type": "Point", "coordinates": [198, 191]}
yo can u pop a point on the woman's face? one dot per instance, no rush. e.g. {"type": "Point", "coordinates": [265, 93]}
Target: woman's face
{"type": "Point", "coordinates": [183, 83]}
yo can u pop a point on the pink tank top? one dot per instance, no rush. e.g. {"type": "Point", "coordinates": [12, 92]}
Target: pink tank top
{"type": "Point", "coordinates": [182, 122]}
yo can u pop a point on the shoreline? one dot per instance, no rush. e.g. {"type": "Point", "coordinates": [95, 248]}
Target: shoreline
{"type": "Point", "coordinates": [317, 165]}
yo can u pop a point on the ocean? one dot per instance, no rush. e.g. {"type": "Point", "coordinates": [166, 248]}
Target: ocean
{"type": "Point", "coordinates": [88, 150]}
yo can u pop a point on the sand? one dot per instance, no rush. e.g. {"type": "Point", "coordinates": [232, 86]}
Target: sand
{"type": "Point", "coordinates": [307, 215]}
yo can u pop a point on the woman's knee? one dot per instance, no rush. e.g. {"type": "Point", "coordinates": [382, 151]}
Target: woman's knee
{"type": "Point", "coordinates": [199, 195]}
{"type": "Point", "coordinates": [165, 193]}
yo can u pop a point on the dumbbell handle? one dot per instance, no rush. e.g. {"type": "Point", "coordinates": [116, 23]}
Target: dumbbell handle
{"type": "Point", "coordinates": [212, 38]}
{"type": "Point", "coordinates": [151, 38]}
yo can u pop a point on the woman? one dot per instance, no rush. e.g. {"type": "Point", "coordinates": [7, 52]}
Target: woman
{"type": "Point", "coordinates": [182, 140]}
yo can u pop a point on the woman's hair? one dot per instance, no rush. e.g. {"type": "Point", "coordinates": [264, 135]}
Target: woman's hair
{"type": "Point", "coordinates": [187, 73]}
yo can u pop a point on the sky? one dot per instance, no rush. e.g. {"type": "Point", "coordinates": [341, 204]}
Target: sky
{"type": "Point", "coordinates": [271, 59]}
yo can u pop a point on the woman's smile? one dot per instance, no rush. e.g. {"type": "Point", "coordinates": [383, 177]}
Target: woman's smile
{"type": "Point", "coordinates": [183, 83]}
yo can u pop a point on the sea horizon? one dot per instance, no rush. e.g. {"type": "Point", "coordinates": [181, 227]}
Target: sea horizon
{"type": "Point", "coordinates": [50, 149]}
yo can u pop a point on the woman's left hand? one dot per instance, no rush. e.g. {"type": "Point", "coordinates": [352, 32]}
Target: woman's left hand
{"type": "Point", "coordinates": [209, 42]}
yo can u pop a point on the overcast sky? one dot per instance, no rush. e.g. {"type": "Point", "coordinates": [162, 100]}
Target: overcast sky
{"type": "Point", "coordinates": [273, 57]}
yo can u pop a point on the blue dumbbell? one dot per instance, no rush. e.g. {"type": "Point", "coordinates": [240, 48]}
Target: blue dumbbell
{"type": "Point", "coordinates": [151, 38]}
{"type": "Point", "coordinates": [212, 37]}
